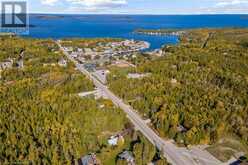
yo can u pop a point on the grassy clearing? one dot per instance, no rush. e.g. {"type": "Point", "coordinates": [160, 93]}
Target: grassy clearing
{"type": "Point", "coordinates": [226, 148]}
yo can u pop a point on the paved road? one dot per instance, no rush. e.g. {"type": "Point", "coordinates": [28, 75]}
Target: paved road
{"type": "Point", "coordinates": [174, 154]}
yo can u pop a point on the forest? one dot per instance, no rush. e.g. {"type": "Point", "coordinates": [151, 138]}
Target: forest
{"type": "Point", "coordinates": [197, 93]}
{"type": "Point", "coordinates": [44, 121]}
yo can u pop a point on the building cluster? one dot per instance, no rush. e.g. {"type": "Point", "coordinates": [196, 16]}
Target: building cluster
{"type": "Point", "coordinates": [12, 62]}
{"type": "Point", "coordinates": [61, 62]}
{"type": "Point", "coordinates": [105, 52]}
{"type": "Point", "coordinates": [91, 159]}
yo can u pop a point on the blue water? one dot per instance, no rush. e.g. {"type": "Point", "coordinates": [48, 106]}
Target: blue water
{"type": "Point", "coordinates": [122, 26]}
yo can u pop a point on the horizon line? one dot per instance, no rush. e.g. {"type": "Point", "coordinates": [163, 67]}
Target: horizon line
{"type": "Point", "coordinates": [140, 14]}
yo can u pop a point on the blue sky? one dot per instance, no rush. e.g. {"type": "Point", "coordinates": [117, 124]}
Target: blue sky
{"type": "Point", "coordinates": [139, 6]}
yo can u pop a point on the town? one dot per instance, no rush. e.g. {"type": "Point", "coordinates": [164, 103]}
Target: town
{"type": "Point", "coordinates": [105, 52]}
{"type": "Point", "coordinates": [102, 54]}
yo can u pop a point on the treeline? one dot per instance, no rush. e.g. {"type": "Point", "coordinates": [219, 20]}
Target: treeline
{"type": "Point", "coordinates": [195, 94]}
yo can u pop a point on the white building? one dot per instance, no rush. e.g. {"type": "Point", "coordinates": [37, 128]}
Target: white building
{"type": "Point", "coordinates": [79, 49]}
{"type": "Point", "coordinates": [6, 65]}
{"type": "Point", "coordinates": [74, 55]}
{"type": "Point", "coordinates": [62, 62]}
{"type": "Point", "coordinates": [113, 141]}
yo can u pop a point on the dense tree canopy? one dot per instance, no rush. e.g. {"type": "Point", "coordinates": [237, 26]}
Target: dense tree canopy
{"type": "Point", "coordinates": [198, 92]}
{"type": "Point", "coordinates": [42, 119]}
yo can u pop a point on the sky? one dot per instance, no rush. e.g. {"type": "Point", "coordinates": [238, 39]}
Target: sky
{"type": "Point", "coordinates": [139, 6]}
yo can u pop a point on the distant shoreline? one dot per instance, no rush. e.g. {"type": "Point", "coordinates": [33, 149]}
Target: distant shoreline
{"type": "Point", "coordinates": [160, 32]}
{"type": "Point", "coordinates": [139, 14]}
{"type": "Point", "coordinates": [7, 34]}
{"type": "Point", "coordinates": [48, 16]}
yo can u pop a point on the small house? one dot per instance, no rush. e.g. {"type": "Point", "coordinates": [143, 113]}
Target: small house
{"type": "Point", "coordinates": [8, 64]}
{"type": "Point", "coordinates": [79, 49]}
{"type": "Point", "coordinates": [62, 62]}
{"type": "Point", "coordinates": [115, 140]}
{"type": "Point", "coordinates": [128, 156]}
{"type": "Point", "coordinates": [89, 160]}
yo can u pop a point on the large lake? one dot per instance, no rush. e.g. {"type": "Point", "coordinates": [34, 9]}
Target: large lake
{"type": "Point", "coordinates": [122, 26]}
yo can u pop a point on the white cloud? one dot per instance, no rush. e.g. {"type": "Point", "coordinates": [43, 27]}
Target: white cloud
{"type": "Point", "coordinates": [49, 2]}
{"type": "Point", "coordinates": [223, 3]}
{"type": "Point", "coordinates": [142, 7]}
{"type": "Point", "coordinates": [230, 6]}
{"type": "Point", "coordinates": [88, 5]}
{"type": "Point", "coordinates": [94, 5]}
